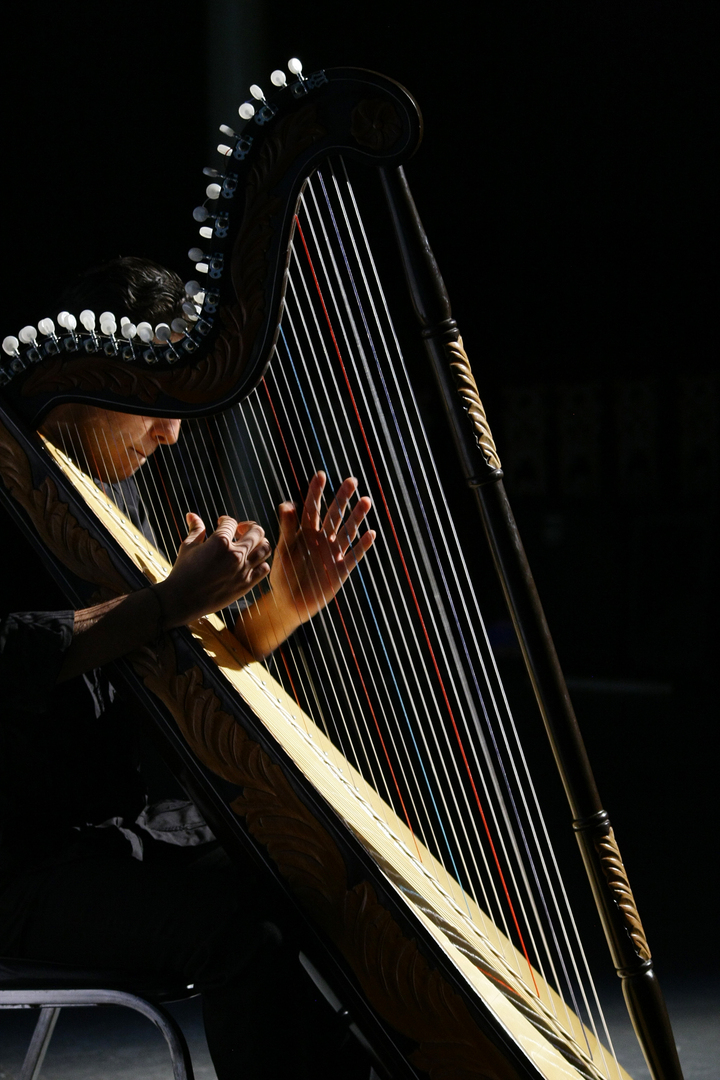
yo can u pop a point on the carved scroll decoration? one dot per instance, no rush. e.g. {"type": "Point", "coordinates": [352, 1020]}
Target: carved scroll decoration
{"type": "Point", "coordinates": [395, 978]}
{"type": "Point", "coordinates": [376, 124]}
{"type": "Point", "coordinates": [212, 377]}
{"type": "Point", "coordinates": [467, 387]}
{"type": "Point", "coordinates": [55, 525]}
{"type": "Point", "coordinates": [617, 879]}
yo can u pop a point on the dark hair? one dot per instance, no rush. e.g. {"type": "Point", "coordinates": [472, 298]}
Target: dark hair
{"type": "Point", "coordinates": [138, 288]}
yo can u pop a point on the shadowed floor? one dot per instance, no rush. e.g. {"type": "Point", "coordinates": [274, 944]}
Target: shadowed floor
{"type": "Point", "coordinates": [116, 1044]}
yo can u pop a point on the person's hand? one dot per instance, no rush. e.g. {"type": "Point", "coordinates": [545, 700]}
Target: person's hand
{"type": "Point", "coordinates": [312, 561]}
{"type": "Point", "coordinates": [210, 573]}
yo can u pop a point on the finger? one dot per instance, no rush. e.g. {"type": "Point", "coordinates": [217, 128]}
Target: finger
{"type": "Point", "coordinates": [311, 507]}
{"type": "Point", "coordinates": [226, 529]}
{"type": "Point", "coordinates": [196, 530]}
{"type": "Point", "coordinates": [358, 551]}
{"type": "Point", "coordinates": [258, 553]}
{"type": "Point", "coordinates": [245, 542]}
{"type": "Point", "coordinates": [258, 573]}
{"type": "Point", "coordinates": [288, 523]}
{"type": "Point", "coordinates": [349, 530]}
{"type": "Point", "coordinates": [338, 506]}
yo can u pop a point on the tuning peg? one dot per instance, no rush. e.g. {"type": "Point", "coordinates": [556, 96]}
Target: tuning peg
{"type": "Point", "coordinates": [192, 288]}
{"type": "Point", "coordinates": [10, 346]}
{"type": "Point", "coordinates": [213, 191]}
{"type": "Point", "coordinates": [47, 327]}
{"type": "Point", "coordinates": [163, 332]}
{"type": "Point", "coordinates": [196, 254]}
{"type": "Point", "coordinates": [226, 151]}
{"type": "Point", "coordinates": [127, 328]}
{"type": "Point", "coordinates": [209, 171]}
{"type": "Point", "coordinates": [257, 92]}
{"type": "Point", "coordinates": [67, 321]}
{"type": "Point", "coordinates": [179, 326]}
{"type": "Point", "coordinates": [295, 68]}
{"type": "Point", "coordinates": [108, 324]}
{"type": "Point", "coordinates": [201, 213]}
{"type": "Point", "coordinates": [278, 78]}
{"type": "Point", "coordinates": [145, 332]}
{"type": "Point", "coordinates": [246, 110]}
{"type": "Point", "coordinates": [206, 232]}
{"type": "Point", "coordinates": [28, 335]}
{"type": "Point", "coordinates": [87, 318]}
{"type": "Point", "coordinates": [225, 130]}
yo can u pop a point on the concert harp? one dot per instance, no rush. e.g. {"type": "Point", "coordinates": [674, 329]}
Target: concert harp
{"type": "Point", "coordinates": [372, 766]}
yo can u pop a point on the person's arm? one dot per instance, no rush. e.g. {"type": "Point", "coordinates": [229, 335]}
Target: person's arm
{"type": "Point", "coordinates": [311, 563]}
{"type": "Point", "coordinates": [208, 575]}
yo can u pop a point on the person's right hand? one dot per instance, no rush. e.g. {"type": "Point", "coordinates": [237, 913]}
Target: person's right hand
{"type": "Point", "coordinates": [210, 573]}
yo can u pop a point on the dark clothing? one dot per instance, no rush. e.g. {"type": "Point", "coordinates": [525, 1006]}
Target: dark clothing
{"type": "Point", "coordinates": [91, 876]}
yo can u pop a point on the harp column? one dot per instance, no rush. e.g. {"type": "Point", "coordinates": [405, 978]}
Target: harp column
{"type": "Point", "coordinates": [483, 473]}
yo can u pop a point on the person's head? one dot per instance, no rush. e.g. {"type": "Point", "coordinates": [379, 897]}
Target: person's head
{"type": "Point", "coordinates": [110, 445]}
{"type": "Point", "coordinates": [138, 288]}
{"type": "Point", "coordinates": [113, 445]}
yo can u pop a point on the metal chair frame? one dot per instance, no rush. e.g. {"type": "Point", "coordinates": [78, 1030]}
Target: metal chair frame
{"type": "Point", "coordinates": [51, 1001]}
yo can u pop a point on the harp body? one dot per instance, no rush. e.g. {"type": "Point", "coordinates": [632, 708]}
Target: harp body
{"type": "Point", "coordinates": [403, 944]}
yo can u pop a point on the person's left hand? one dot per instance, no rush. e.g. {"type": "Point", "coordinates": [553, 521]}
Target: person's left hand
{"type": "Point", "coordinates": [312, 561]}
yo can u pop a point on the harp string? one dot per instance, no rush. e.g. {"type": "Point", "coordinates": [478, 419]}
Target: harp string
{"type": "Point", "coordinates": [440, 500]}
{"type": "Point", "coordinates": [401, 549]}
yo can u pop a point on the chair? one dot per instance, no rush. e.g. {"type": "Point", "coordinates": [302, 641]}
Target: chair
{"type": "Point", "coordinates": [52, 987]}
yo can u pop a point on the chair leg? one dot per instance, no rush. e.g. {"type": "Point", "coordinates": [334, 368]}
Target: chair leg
{"type": "Point", "coordinates": [39, 1043]}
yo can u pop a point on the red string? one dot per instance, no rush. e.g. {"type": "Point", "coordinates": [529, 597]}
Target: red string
{"type": "Point", "coordinates": [416, 603]}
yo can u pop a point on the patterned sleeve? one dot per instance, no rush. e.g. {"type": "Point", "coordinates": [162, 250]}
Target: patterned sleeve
{"type": "Point", "coordinates": [32, 644]}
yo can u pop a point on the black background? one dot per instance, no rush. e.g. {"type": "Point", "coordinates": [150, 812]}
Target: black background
{"type": "Point", "coordinates": [565, 185]}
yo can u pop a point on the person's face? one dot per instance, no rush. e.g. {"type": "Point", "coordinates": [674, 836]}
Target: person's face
{"type": "Point", "coordinates": [111, 445]}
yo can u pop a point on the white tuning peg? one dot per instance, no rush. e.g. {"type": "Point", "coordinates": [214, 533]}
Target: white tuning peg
{"type": "Point", "coordinates": [87, 318]}
{"type": "Point", "coordinates": [196, 254]}
{"type": "Point", "coordinates": [179, 326]}
{"type": "Point", "coordinates": [201, 213]}
{"type": "Point", "coordinates": [225, 130]}
{"type": "Point", "coordinates": [108, 323]}
{"type": "Point", "coordinates": [162, 331]}
{"type": "Point", "coordinates": [213, 191]}
{"type": "Point", "coordinates": [206, 232]}
{"type": "Point", "coordinates": [246, 110]}
{"type": "Point", "coordinates": [28, 335]}
{"type": "Point", "coordinates": [145, 332]}
{"type": "Point", "coordinates": [67, 321]}
{"type": "Point", "coordinates": [226, 151]}
{"type": "Point", "coordinates": [190, 311]}
{"type": "Point", "coordinates": [278, 78]}
{"type": "Point", "coordinates": [192, 288]}
{"type": "Point", "coordinates": [257, 92]}
{"type": "Point", "coordinates": [295, 67]}
{"type": "Point", "coordinates": [46, 327]}
{"type": "Point", "coordinates": [10, 345]}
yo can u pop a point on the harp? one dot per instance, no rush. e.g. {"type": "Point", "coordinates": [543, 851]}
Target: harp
{"type": "Point", "coordinates": [372, 767]}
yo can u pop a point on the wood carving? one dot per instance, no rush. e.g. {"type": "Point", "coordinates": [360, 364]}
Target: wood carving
{"type": "Point", "coordinates": [467, 387]}
{"type": "Point", "coordinates": [64, 538]}
{"type": "Point", "coordinates": [614, 871]}
{"type": "Point", "coordinates": [394, 976]}
{"type": "Point", "coordinates": [376, 125]}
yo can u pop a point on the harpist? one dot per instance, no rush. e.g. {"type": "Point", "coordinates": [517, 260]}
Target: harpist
{"type": "Point", "coordinates": [91, 874]}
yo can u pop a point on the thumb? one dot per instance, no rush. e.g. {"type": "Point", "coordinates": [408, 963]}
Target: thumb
{"type": "Point", "coordinates": [288, 523]}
